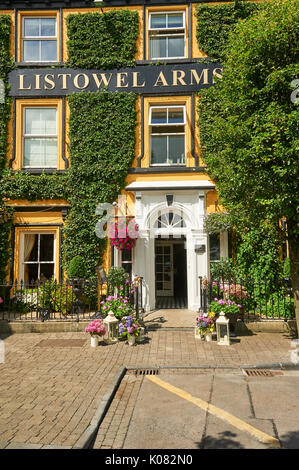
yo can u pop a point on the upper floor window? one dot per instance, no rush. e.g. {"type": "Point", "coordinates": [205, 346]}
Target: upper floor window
{"type": "Point", "coordinates": [167, 135]}
{"type": "Point", "coordinates": [40, 137]}
{"type": "Point", "coordinates": [166, 35]}
{"type": "Point", "coordinates": [39, 39]}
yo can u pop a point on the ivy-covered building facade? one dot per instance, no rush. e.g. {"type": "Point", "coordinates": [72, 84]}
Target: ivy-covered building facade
{"type": "Point", "coordinates": [99, 110]}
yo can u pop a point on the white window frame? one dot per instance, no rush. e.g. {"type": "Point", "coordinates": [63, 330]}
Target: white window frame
{"type": "Point", "coordinates": [151, 133]}
{"type": "Point", "coordinates": [39, 38]}
{"type": "Point", "coordinates": [23, 263]}
{"type": "Point", "coordinates": [36, 136]}
{"type": "Point", "coordinates": [166, 32]}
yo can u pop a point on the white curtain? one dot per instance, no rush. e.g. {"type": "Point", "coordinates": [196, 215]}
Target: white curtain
{"type": "Point", "coordinates": [29, 240]}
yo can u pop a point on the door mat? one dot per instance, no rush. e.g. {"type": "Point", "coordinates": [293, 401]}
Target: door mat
{"type": "Point", "coordinates": [61, 343]}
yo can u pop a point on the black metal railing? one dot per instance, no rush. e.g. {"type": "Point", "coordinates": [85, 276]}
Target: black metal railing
{"type": "Point", "coordinates": [73, 300]}
{"type": "Point", "coordinates": [255, 298]}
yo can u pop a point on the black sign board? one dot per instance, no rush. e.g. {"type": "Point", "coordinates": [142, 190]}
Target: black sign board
{"type": "Point", "coordinates": [151, 79]}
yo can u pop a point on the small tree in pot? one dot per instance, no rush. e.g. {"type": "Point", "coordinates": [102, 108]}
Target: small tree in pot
{"type": "Point", "coordinates": [76, 274]}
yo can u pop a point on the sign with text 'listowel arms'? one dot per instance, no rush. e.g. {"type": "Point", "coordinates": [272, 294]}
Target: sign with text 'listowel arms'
{"type": "Point", "coordinates": [169, 78]}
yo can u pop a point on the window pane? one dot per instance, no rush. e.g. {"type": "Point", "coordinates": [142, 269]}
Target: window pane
{"type": "Point", "coordinates": [46, 271]}
{"type": "Point", "coordinates": [48, 27]}
{"type": "Point", "coordinates": [168, 129]}
{"type": "Point", "coordinates": [175, 20]}
{"type": "Point", "coordinates": [176, 149]}
{"type": "Point", "coordinates": [159, 116]}
{"type": "Point", "coordinates": [176, 46]}
{"type": "Point", "coordinates": [159, 149]}
{"type": "Point", "coordinates": [48, 51]}
{"type": "Point", "coordinates": [30, 273]}
{"type": "Point", "coordinates": [126, 255]}
{"type": "Point", "coordinates": [157, 47]}
{"type": "Point", "coordinates": [40, 153]}
{"type": "Point", "coordinates": [31, 27]}
{"type": "Point", "coordinates": [40, 121]}
{"type": "Point", "coordinates": [176, 115]}
{"type": "Point", "coordinates": [31, 51]}
{"type": "Point", "coordinates": [158, 21]}
{"type": "Point", "coordinates": [47, 247]}
{"type": "Point", "coordinates": [214, 247]}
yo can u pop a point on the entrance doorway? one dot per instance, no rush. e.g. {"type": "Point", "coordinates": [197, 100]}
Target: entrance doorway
{"type": "Point", "coordinates": [171, 273]}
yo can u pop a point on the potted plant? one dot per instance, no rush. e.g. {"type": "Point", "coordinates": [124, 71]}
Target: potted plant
{"type": "Point", "coordinates": [129, 328]}
{"type": "Point", "coordinates": [231, 309]}
{"type": "Point", "coordinates": [120, 305]}
{"type": "Point", "coordinates": [205, 325]}
{"type": "Point", "coordinates": [77, 270]}
{"type": "Point", "coordinates": [96, 329]}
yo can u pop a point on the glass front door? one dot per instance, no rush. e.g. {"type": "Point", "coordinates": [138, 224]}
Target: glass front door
{"type": "Point", "coordinates": [164, 269]}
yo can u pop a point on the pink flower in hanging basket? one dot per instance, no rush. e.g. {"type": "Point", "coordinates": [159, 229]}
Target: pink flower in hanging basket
{"type": "Point", "coordinates": [124, 233]}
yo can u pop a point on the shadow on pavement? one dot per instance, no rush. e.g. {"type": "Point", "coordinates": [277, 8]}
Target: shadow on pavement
{"type": "Point", "coordinates": [224, 441]}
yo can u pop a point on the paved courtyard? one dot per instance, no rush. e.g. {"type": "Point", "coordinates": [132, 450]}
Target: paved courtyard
{"type": "Point", "coordinates": [49, 391]}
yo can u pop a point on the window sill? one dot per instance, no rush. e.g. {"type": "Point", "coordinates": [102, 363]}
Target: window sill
{"type": "Point", "coordinates": [39, 171]}
{"type": "Point", "coordinates": [39, 64]}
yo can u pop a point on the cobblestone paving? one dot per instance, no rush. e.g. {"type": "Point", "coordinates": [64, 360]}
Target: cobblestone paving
{"type": "Point", "coordinates": [48, 395]}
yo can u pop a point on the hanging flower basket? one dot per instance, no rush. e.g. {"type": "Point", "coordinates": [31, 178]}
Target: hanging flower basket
{"type": "Point", "coordinates": [123, 233]}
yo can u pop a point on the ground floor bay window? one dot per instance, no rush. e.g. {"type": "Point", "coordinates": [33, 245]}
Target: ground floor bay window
{"type": "Point", "coordinates": [37, 255]}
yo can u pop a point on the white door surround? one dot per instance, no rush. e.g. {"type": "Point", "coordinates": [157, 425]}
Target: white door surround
{"type": "Point", "coordinates": [188, 206]}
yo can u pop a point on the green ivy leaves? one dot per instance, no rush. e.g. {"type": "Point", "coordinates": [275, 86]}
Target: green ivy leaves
{"type": "Point", "coordinates": [102, 41]}
{"type": "Point", "coordinates": [102, 148]}
{"type": "Point", "coordinates": [214, 23]}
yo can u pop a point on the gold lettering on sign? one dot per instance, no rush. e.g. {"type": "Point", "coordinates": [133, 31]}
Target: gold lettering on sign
{"type": "Point", "coordinates": [21, 83]}
{"type": "Point", "coordinates": [64, 77]}
{"type": "Point", "coordinates": [178, 76]}
{"type": "Point", "coordinates": [103, 79]}
{"type": "Point", "coordinates": [135, 80]}
{"type": "Point", "coordinates": [120, 79]}
{"type": "Point", "coordinates": [37, 82]}
{"type": "Point", "coordinates": [76, 81]}
{"type": "Point", "coordinates": [48, 79]}
{"type": "Point", "coordinates": [217, 74]}
{"type": "Point", "coordinates": [204, 74]}
{"type": "Point", "coordinates": [161, 79]}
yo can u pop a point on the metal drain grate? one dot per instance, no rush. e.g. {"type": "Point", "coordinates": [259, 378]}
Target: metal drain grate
{"type": "Point", "coordinates": [143, 371]}
{"type": "Point", "coordinates": [261, 373]}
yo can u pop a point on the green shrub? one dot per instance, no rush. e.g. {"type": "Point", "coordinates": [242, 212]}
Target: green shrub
{"type": "Point", "coordinates": [76, 268]}
{"type": "Point", "coordinates": [223, 270]}
{"type": "Point", "coordinates": [117, 277]}
{"type": "Point", "coordinates": [287, 268]}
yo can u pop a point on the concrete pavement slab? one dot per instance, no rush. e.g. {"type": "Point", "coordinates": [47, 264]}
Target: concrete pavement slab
{"type": "Point", "coordinates": [161, 421]}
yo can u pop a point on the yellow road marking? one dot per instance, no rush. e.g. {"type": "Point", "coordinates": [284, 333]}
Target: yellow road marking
{"type": "Point", "coordinates": [222, 414]}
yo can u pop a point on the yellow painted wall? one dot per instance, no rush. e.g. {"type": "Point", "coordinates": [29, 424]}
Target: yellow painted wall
{"type": "Point", "coordinates": [43, 202]}
{"type": "Point", "coordinates": [38, 218]}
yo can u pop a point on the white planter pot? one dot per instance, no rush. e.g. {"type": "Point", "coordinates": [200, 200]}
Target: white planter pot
{"type": "Point", "coordinates": [208, 337]}
{"type": "Point", "coordinates": [94, 341]}
{"type": "Point", "coordinates": [131, 340]}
